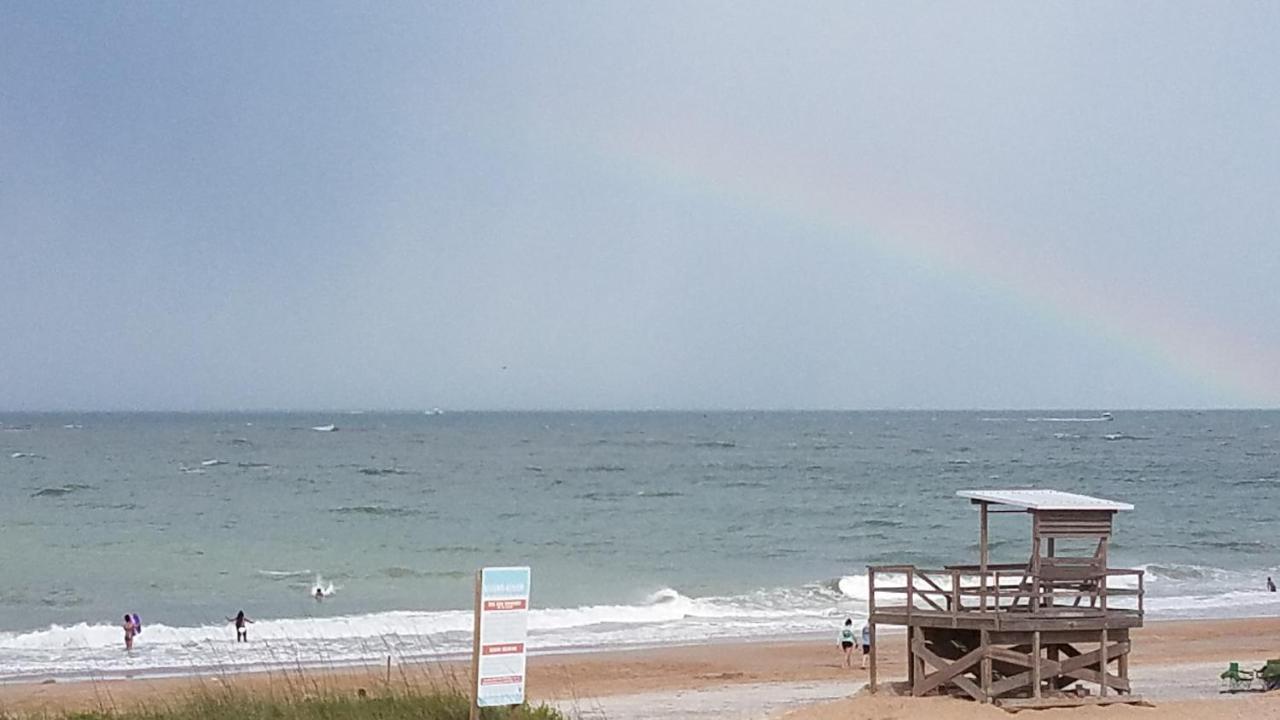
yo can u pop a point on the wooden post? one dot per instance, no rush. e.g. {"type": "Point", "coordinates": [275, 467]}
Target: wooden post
{"type": "Point", "coordinates": [986, 665]}
{"type": "Point", "coordinates": [911, 592]}
{"type": "Point", "coordinates": [1051, 551]}
{"type": "Point", "coordinates": [871, 676]}
{"type": "Point", "coordinates": [983, 554]}
{"type": "Point", "coordinates": [997, 599]}
{"type": "Point", "coordinates": [1034, 603]}
{"type": "Point", "coordinates": [1141, 592]}
{"type": "Point", "coordinates": [475, 651]}
{"type": "Point", "coordinates": [911, 657]}
{"type": "Point", "coordinates": [1102, 602]}
{"type": "Point", "coordinates": [955, 592]}
{"type": "Point", "coordinates": [871, 612]}
{"type": "Point", "coordinates": [1102, 665]}
{"type": "Point", "coordinates": [1124, 666]}
{"type": "Point", "coordinates": [1035, 668]}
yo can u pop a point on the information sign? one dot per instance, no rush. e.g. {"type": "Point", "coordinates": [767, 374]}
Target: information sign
{"type": "Point", "coordinates": [502, 619]}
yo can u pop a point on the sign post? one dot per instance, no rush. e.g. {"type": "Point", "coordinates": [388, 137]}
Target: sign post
{"type": "Point", "coordinates": [501, 633]}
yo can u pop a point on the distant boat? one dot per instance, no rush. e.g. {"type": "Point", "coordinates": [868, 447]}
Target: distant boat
{"type": "Point", "coordinates": [433, 411]}
{"type": "Point", "coordinates": [325, 428]}
{"type": "Point", "coordinates": [1108, 416]}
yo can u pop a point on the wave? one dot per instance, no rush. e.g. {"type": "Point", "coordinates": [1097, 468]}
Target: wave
{"type": "Point", "coordinates": [662, 615]}
{"type": "Point", "coordinates": [61, 490]}
{"type": "Point", "coordinates": [1119, 436]}
{"type": "Point", "coordinates": [376, 510]}
{"type": "Point", "coordinates": [284, 573]}
{"type": "Point", "coordinates": [1104, 417]}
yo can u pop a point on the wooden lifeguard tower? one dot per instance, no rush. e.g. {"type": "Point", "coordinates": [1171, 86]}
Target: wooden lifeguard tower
{"type": "Point", "coordinates": [1043, 633]}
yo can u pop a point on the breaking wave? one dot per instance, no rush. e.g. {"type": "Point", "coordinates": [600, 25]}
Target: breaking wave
{"type": "Point", "coordinates": [658, 617]}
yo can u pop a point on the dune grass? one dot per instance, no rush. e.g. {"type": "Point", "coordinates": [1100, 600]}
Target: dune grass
{"type": "Point", "coordinates": [232, 705]}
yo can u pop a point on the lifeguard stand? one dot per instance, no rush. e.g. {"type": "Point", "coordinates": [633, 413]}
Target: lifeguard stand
{"type": "Point", "coordinates": [1019, 635]}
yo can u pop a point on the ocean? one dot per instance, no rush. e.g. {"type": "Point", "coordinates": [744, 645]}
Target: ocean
{"type": "Point", "coordinates": [642, 528]}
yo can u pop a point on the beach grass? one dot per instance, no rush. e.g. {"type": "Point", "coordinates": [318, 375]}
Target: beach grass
{"type": "Point", "coordinates": [233, 705]}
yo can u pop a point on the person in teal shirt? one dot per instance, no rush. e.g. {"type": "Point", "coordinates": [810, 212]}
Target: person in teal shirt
{"type": "Point", "coordinates": [846, 642]}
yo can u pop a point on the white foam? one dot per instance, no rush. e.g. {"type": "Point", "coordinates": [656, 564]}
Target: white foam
{"type": "Point", "coordinates": [664, 616]}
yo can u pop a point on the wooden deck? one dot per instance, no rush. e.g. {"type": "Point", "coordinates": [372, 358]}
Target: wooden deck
{"type": "Point", "coordinates": [1049, 619]}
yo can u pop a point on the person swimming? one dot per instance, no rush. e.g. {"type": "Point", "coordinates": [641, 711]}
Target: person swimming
{"type": "Point", "coordinates": [319, 594]}
{"type": "Point", "coordinates": [242, 632]}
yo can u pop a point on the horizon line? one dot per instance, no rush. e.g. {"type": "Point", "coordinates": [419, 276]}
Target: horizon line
{"type": "Point", "coordinates": [603, 410]}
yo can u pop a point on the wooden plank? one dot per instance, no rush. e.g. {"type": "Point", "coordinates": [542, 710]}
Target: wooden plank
{"type": "Point", "coordinates": [1085, 620]}
{"type": "Point", "coordinates": [1114, 682]}
{"type": "Point", "coordinates": [1011, 657]}
{"type": "Point", "coordinates": [967, 685]}
{"type": "Point", "coordinates": [1066, 701]}
{"type": "Point", "coordinates": [1081, 660]}
{"type": "Point", "coordinates": [947, 671]}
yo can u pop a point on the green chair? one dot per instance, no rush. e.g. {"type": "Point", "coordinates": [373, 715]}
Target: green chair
{"type": "Point", "coordinates": [1235, 679]}
{"type": "Point", "coordinates": [1270, 674]}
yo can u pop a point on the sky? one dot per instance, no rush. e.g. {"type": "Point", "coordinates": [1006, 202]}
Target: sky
{"type": "Point", "coordinates": [659, 205]}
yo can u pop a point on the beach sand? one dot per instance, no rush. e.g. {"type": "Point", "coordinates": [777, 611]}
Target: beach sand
{"type": "Point", "coordinates": [1174, 664]}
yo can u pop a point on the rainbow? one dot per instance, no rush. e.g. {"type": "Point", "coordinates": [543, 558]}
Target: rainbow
{"type": "Point", "coordinates": [1231, 366]}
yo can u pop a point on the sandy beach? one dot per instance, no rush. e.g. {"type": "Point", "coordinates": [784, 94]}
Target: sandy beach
{"type": "Point", "coordinates": [1175, 666]}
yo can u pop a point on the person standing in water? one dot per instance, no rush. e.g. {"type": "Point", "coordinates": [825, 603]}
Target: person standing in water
{"type": "Point", "coordinates": [846, 642]}
{"type": "Point", "coordinates": [1271, 585]}
{"type": "Point", "coordinates": [242, 632]}
{"type": "Point", "coordinates": [130, 629]}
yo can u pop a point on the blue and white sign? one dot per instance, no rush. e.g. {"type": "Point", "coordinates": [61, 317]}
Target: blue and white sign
{"type": "Point", "coordinates": [504, 632]}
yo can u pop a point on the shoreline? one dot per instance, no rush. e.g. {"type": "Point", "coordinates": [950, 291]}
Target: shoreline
{"type": "Point", "coordinates": [1175, 659]}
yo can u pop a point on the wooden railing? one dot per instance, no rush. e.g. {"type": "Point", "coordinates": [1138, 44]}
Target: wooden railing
{"type": "Point", "coordinates": [1003, 589]}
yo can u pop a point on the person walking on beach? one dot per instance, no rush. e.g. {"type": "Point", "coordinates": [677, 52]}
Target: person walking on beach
{"type": "Point", "coordinates": [242, 632]}
{"type": "Point", "coordinates": [130, 629]}
{"type": "Point", "coordinates": [846, 642]}
{"type": "Point", "coordinates": [866, 644]}
{"type": "Point", "coordinates": [1271, 585]}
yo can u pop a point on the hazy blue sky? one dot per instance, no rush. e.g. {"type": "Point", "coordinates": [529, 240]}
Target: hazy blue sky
{"type": "Point", "coordinates": [646, 205]}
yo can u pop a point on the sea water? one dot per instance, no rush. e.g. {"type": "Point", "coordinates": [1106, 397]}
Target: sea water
{"type": "Point", "coordinates": [641, 528]}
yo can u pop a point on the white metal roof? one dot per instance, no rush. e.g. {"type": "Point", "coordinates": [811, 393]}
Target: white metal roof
{"type": "Point", "coordinates": [1043, 500]}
